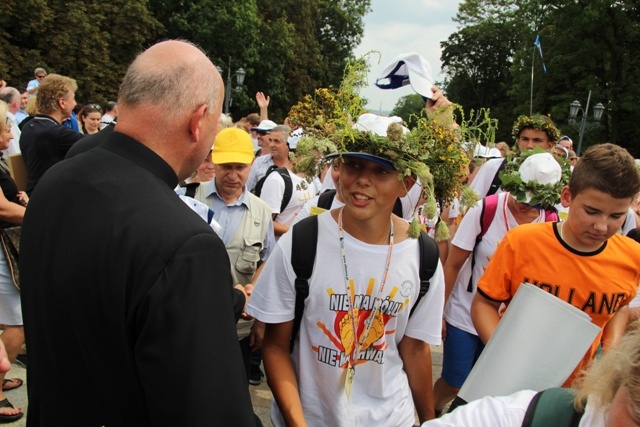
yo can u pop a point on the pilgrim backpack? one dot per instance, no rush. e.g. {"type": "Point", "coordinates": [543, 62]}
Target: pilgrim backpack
{"type": "Point", "coordinates": [326, 199]}
{"type": "Point", "coordinates": [552, 407]}
{"type": "Point", "coordinates": [288, 185]}
{"type": "Point", "coordinates": [489, 208]}
{"type": "Point", "coordinates": [303, 256]}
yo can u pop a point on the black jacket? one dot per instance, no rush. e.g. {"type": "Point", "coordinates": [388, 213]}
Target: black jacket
{"type": "Point", "coordinates": [127, 299]}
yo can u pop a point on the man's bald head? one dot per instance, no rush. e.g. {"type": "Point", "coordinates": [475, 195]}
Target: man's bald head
{"type": "Point", "coordinates": [170, 101]}
{"type": "Point", "coordinates": [174, 76]}
{"type": "Point", "coordinates": [11, 96]}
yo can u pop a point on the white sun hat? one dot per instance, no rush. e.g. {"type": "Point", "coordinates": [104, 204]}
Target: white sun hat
{"type": "Point", "coordinates": [370, 122]}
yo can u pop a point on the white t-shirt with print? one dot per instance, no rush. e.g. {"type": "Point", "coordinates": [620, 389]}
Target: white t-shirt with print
{"type": "Point", "coordinates": [457, 310]}
{"type": "Point", "coordinates": [380, 393]}
{"type": "Point", "coordinates": [306, 209]}
{"type": "Point", "coordinates": [273, 192]}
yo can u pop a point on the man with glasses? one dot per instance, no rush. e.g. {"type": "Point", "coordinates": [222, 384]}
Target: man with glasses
{"type": "Point", "coordinates": [261, 131]}
{"type": "Point", "coordinates": [32, 86]}
{"type": "Point", "coordinates": [263, 158]}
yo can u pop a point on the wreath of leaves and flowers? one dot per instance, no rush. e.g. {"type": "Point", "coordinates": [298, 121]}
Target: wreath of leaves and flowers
{"type": "Point", "coordinates": [435, 151]}
{"type": "Point", "coordinates": [544, 195]}
{"type": "Point", "coordinates": [537, 121]}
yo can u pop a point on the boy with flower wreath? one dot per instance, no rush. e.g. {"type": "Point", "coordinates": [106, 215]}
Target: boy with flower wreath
{"type": "Point", "coordinates": [582, 260]}
{"type": "Point", "coordinates": [365, 279]}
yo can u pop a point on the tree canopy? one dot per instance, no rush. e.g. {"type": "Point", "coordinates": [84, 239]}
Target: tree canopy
{"type": "Point", "coordinates": [587, 45]}
{"type": "Point", "coordinates": [287, 48]}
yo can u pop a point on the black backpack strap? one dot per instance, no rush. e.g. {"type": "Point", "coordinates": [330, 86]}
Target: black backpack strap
{"type": "Point", "coordinates": [190, 189]}
{"type": "Point", "coordinates": [496, 183]}
{"type": "Point", "coordinates": [397, 208]}
{"type": "Point", "coordinates": [288, 187]}
{"type": "Point", "coordinates": [258, 188]}
{"type": "Point", "coordinates": [304, 240]}
{"type": "Point", "coordinates": [326, 199]}
{"type": "Point", "coordinates": [429, 257]}
{"type": "Point", "coordinates": [552, 407]}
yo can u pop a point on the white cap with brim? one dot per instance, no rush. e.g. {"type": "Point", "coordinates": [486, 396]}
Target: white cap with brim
{"type": "Point", "coordinates": [294, 138]}
{"type": "Point", "coordinates": [541, 168]}
{"type": "Point", "coordinates": [486, 152]}
{"type": "Point", "coordinates": [265, 125]}
{"type": "Point", "coordinates": [366, 156]}
{"type": "Point", "coordinates": [408, 68]}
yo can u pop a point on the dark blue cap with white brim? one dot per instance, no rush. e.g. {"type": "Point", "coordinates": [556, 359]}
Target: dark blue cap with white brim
{"type": "Point", "coordinates": [365, 156]}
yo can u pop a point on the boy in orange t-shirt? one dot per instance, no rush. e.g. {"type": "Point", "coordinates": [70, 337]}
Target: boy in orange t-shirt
{"type": "Point", "coordinates": [582, 261]}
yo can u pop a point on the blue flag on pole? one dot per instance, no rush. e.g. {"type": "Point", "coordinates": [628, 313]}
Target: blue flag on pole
{"type": "Point", "coordinates": [539, 47]}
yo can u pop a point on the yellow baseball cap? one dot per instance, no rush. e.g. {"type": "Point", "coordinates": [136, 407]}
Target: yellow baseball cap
{"type": "Point", "coordinates": [232, 145]}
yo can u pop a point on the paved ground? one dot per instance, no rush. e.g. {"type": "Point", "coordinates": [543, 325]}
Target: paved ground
{"type": "Point", "coordinates": [260, 395]}
{"type": "Point", "coordinates": [18, 396]}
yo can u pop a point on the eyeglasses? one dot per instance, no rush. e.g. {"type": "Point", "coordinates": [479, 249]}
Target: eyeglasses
{"type": "Point", "coordinates": [40, 77]}
{"type": "Point", "coordinates": [262, 132]}
{"type": "Point", "coordinates": [94, 107]}
{"type": "Point", "coordinates": [573, 158]}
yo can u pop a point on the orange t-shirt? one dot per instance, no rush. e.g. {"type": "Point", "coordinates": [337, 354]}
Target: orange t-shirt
{"type": "Point", "coordinates": [597, 283]}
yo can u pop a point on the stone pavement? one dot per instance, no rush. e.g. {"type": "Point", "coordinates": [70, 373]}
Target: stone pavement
{"type": "Point", "coordinates": [18, 396]}
{"type": "Point", "coordinates": [260, 395]}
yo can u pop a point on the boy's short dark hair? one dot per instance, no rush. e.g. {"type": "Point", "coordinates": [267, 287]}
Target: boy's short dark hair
{"type": "Point", "coordinates": [608, 168]}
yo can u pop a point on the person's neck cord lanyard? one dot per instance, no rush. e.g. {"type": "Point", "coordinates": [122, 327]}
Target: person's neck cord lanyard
{"type": "Point", "coordinates": [350, 285]}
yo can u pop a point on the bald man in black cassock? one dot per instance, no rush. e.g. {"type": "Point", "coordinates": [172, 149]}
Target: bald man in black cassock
{"type": "Point", "coordinates": [127, 294]}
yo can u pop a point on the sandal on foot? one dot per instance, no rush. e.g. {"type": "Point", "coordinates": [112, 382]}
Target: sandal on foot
{"type": "Point", "coordinates": [11, 383]}
{"type": "Point", "coordinates": [4, 418]}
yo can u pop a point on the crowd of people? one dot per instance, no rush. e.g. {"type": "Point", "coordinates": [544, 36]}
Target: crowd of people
{"type": "Point", "coordinates": [169, 261]}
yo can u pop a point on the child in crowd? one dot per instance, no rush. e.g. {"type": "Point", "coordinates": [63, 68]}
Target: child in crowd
{"type": "Point", "coordinates": [529, 199]}
{"type": "Point", "coordinates": [360, 358]}
{"type": "Point", "coordinates": [582, 260]}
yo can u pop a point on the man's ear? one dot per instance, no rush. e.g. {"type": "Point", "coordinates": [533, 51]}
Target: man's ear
{"type": "Point", "coordinates": [195, 123]}
{"type": "Point", "coordinates": [565, 197]}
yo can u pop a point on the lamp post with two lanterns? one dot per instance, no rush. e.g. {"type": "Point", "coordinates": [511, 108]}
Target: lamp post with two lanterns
{"type": "Point", "coordinates": [228, 94]}
{"type": "Point", "coordinates": [575, 108]}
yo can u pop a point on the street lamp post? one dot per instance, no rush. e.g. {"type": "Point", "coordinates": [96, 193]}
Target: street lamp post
{"type": "Point", "coordinates": [575, 108]}
{"type": "Point", "coordinates": [228, 95]}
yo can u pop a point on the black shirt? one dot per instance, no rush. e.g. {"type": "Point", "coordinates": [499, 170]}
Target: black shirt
{"type": "Point", "coordinates": [43, 143]}
{"type": "Point", "coordinates": [127, 299]}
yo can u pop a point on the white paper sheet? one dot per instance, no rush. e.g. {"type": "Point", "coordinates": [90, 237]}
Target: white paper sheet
{"type": "Point", "coordinates": [537, 344]}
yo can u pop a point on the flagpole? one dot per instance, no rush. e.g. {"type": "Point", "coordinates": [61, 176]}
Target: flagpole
{"type": "Point", "coordinates": [533, 60]}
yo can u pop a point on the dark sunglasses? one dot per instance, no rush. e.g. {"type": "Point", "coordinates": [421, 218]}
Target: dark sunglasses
{"type": "Point", "coordinates": [94, 107]}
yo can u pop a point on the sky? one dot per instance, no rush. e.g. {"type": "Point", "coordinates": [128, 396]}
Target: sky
{"type": "Point", "coordinates": [401, 26]}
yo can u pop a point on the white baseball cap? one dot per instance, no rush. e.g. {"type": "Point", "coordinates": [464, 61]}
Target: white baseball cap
{"type": "Point", "coordinates": [370, 122]}
{"type": "Point", "coordinates": [541, 168]}
{"type": "Point", "coordinates": [408, 68]}
{"type": "Point", "coordinates": [265, 125]}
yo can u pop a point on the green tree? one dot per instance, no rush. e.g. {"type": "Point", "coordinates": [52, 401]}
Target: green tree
{"type": "Point", "coordinates": [587, 45]}
{"type": "Point", "coordinates": [410, 108]}
{"type": "Point", "coordinates": [91, 41]}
